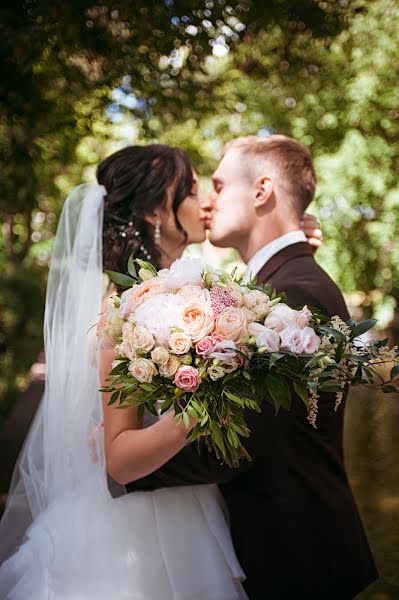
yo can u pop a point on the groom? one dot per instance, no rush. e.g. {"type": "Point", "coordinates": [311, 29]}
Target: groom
{"type": "Point", "coordinates": [294, 522]}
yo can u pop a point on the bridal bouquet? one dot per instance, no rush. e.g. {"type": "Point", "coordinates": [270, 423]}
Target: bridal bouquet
{"type": "Point", "coordinates": [200, 341]}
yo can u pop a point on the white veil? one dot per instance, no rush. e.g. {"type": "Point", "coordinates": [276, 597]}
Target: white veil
{"type": "Point", "coordinates": [57, 485]}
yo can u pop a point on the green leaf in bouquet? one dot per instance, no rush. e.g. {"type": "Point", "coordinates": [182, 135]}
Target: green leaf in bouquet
{"type": "Point", "coordinates": [279, 391]}
{"type": "Point", "coordinates": [233, 438]}
{"type": "Point", "coordinates": [119, 368]}
{"type": "Point", "coordinates": [233, 397]}
{"type": "Point", "coordinates": [363, 327]}
{"type": "Point", "coordinates": [147, 387]}
{"type": "Point", "coordinates": [246, 375]}
{"type": "Point", "coordinates": [204, 420]}
{"type": "Point", "coordinates": [339, 352]}
{"type": "Point", "coordinates": [131, 267]}
{"type": "Point", "coordinates": [381, 343]}
{"type": "Point", "coordinates": [314, 361]}
{"type": "Point", "coordinates": [357, 379]}
{"type": "Point", "coordinates": [241, 429]}
{"type": "Point", "coordinates": [217, 436]}
{"type": "Point", "coordinates": [334, 332]}
{"type": "Point", "coordinates": [274, 358]}
{"type": "Point", "coordinates": [394, 371]}
{"type": "Point", "coordinates": [302, 391]}
{"type": "Point", "coordinates": [120, 279]}
{"type": "Point", "coordinates": [114, 397]}
{"type": "Point", "coordinates": [186, 420]}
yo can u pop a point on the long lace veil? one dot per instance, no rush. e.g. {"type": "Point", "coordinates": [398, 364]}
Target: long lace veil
{"type": "Point", "coordinates": [57, 483]}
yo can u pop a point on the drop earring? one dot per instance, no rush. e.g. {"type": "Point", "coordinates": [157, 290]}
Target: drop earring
{"type": "Point", "coordinates": [157, 233]}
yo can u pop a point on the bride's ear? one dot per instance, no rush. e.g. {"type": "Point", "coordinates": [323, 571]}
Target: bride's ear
{"type": "Point", "coordinates": [153, 218]}
{"type": "Point", "coordinates": [264, 189]}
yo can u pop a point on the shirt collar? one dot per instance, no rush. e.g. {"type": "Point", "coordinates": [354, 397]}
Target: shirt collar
{"type": "Point", "coordinates": [265, 254]}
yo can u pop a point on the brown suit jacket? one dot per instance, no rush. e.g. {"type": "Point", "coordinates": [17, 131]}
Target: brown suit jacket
{"type": "Point", "coordinates": [295, 525]}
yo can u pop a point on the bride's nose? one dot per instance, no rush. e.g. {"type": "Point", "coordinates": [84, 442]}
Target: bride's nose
{"type": "Point", "coordinates": [205, 202]}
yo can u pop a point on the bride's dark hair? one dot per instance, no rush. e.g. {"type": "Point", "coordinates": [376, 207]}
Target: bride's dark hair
{"type": "Point", "coordinates": [138, 179]}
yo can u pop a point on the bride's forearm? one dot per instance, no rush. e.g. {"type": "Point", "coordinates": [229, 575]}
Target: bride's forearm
{"type": "Point", "coordinates": [134, 453]}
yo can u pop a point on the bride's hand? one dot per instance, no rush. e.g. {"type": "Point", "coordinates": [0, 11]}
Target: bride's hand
{"type": "Point", "coordinates": [311, 228]}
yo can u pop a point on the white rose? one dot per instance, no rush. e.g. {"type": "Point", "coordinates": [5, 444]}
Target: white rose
{"type": "Point", "coordinates": [142, 369]}
{"type": "Point", "coordinates": [126, 348]}
{"type": "Point", "coordinates": [179, 342]}
{"type": "Point", "coordinates": [265, 338]}
{"type": "Point", "coordinates": [143, 340]}
{"type": "Point", "coordinates": [280, 317]}
{"type": "Point", "coordinates": [160, 355]}
{"type": "Point", "coordinates": [169, 369]}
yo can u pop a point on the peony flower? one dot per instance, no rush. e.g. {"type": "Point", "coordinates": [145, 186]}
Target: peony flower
{"type": "Point", "coordinates": [142, 339]}
{"type": "Point", "coordinates": [160, 355]}
{"type": "Point", "coordinates": [142, 369]}
{"type": "Point", "coordinates": [311, 341]}
{"type": "Point", "coordinates": [187, 378]}
{"type": "Point", "coordinates": [231, 323]}
{"type": "Point", "coordinates": [133, 298]}
{"type": "Point", "coordinates": [265, 338]}
{"type": "Point", "coordinates": [160, 314]}
{"type": "Point", "coordinates": [169, 369]}
{"type": "Point", "coordinates": [185, 271]}
{"type": "Point", "coordinates": [179, 342]}
{"type": "Point", "coordinates": [280, 317]}
{"type": "Point", "coordinates": [197, 319]}
{"type": "Point", "coordinates": [292, 339]}
{"type": "Point", "coordinates": [190, 291]}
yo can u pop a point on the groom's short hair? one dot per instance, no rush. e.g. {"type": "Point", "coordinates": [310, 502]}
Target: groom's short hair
{"type": "Point", "coordinates": [291, 160]}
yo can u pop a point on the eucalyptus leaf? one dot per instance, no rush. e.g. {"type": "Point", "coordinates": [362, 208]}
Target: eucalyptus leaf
{"type": "Point", "coordinates": [120, 279]}
{"type": "Point", "coordinates": [363, 327]}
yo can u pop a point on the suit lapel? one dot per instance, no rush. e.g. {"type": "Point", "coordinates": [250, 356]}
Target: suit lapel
{"type": "Point", "coordinates": [279, 259]}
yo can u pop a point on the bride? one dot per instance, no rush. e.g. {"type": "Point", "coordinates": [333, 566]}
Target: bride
{"type": "Point", "coordinates": [63, 535]}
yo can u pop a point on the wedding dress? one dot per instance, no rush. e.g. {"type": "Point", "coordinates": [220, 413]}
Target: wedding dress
{"type": "Point", "coordinates": [63, 537]}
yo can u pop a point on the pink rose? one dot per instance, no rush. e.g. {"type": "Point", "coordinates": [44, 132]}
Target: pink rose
{"type": "Point", "coordinates": [187, 378]}
{"type": "Point", "coordinates": [304, 316]}
{"type": "Point", "coordinates": [292, 339]}
{"type": "Point", "coordinates": [204, 346]}
{"type": "Point", "coordinates": [311, 341]}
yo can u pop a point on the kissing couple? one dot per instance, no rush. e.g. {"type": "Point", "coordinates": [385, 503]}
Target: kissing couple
{"type": "Point", "coordinates": [105, 506]}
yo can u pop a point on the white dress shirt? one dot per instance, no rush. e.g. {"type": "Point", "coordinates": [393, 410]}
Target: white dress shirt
{"type": "Point", "coordinates": [263, 255]}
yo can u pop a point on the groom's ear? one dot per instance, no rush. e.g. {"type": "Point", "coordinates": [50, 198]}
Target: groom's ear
{"type": "Point", "coordinates": [264, 189]}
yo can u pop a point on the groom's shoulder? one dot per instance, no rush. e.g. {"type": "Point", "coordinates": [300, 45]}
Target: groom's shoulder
{"type": "Point", "coordinates": [305, 282]}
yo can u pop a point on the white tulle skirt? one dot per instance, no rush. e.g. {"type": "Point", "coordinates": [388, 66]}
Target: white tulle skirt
{"type": "Point", "coordinates": [170, 544]}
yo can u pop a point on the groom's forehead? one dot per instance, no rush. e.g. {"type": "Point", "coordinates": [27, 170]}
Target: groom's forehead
{"type": "Point", "coordinates": [229, 165]}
